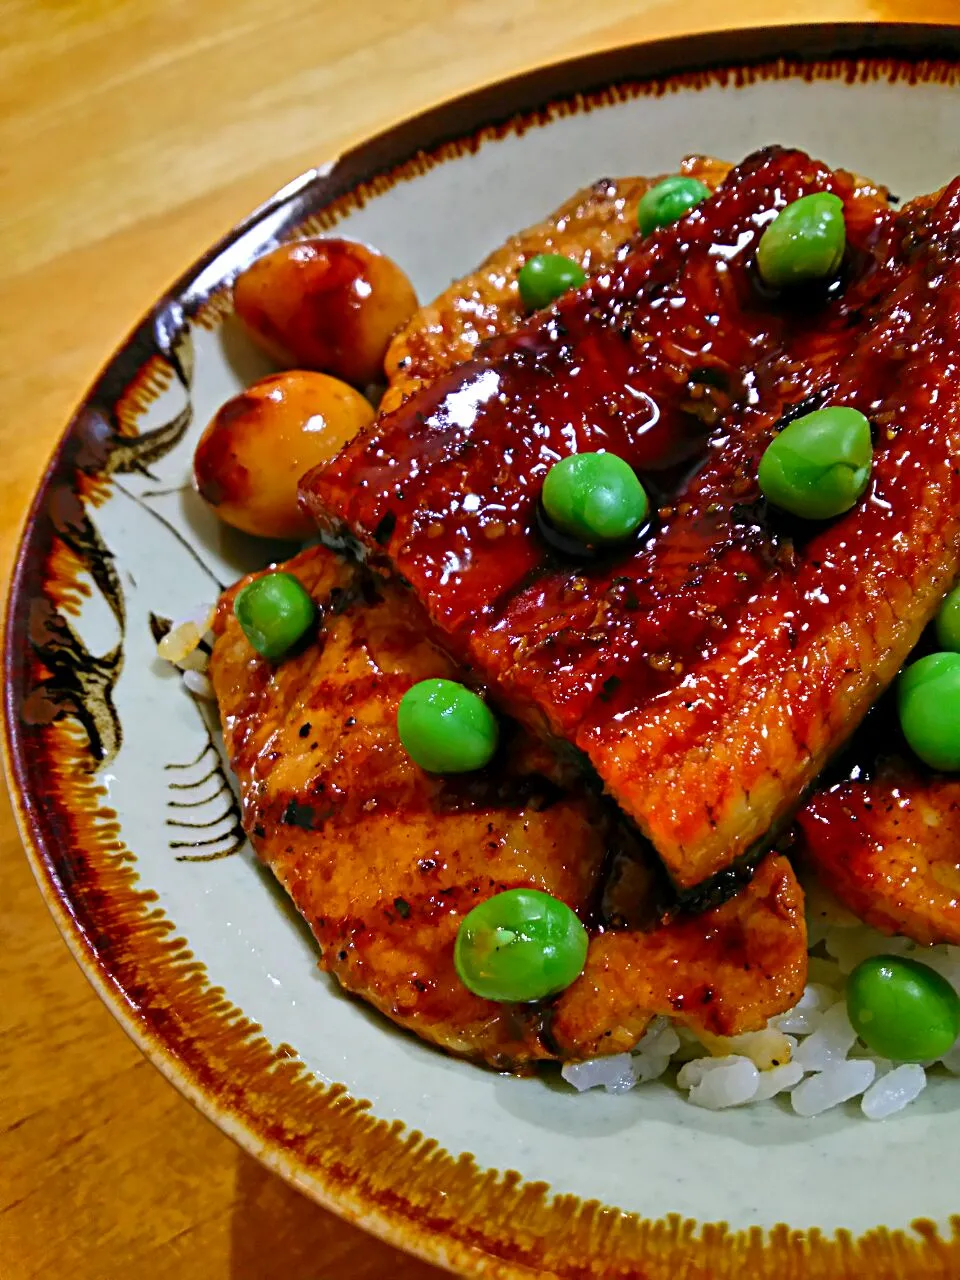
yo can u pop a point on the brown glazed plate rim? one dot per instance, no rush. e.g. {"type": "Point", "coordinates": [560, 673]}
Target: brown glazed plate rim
{"type": "Point", "coordinates": [428, 1202]}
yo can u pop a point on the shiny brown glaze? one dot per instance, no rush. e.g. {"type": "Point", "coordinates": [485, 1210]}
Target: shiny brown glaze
{"type": "Point", "coordinates": [708, 672]}
{"type": "Point", "coordinates": [722, 972]}
{"type": "Point", "coordinates": [325, 304]}
{"type": "Point", "coordinates": [889, 848]}
{"type": "Point", "coordinates": [383, 860]}
{"type": "Point", "coordinates": [591, 228]}
{"type": "Point", "coordinates": [257, 446]}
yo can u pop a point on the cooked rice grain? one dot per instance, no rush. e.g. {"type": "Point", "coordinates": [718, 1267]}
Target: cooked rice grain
{"type": "Point", "coordinates": [181, 643]}
{"type": "Point", "coordinates": [811, 1052]}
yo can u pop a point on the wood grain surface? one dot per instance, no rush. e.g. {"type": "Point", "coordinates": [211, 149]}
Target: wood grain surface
{"type": "Point", "coordinates": [132, 134]}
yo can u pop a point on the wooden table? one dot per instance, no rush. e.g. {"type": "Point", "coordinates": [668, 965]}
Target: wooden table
{"type": "Point", "coordinates": [132, 134]}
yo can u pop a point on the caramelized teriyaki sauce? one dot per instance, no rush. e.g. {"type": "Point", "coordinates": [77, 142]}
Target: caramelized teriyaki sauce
{"type": "Point", "coordinates": [677, 361]}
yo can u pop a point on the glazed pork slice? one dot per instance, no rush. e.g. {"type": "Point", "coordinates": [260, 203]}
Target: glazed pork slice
{"type": "Point", "coordinates": [591, 227]}
{"type": "Point", "coordinates": [383, 860]}
{"type": "Point", "coordinates": [704, 970]}
{"type": "Point", "coordinates": [380, 858]}
{"type": "Point", "coordinates": [889, 849]}
{"type": "Point", "coordinates": [708, 671]}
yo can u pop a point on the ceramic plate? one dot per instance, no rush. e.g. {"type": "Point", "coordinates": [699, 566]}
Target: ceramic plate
{"type": "Point", "coordinates": [131, 823]}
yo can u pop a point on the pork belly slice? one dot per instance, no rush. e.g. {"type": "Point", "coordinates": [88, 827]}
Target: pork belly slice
{"type": "Point", "coordinates": [703, 970]}
{"type": "Point", "coordinates": [889, 849]}
{"type": "Point", "coordinates": [383, 860]}
{"type": "Point", "coordinates": [591, 227]}
{"type": "Point", "coordinates": [708, 671]}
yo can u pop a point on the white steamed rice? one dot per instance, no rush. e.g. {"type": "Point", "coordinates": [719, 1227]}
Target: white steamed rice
{"type": "Point", "coordinates": [811, 1052]}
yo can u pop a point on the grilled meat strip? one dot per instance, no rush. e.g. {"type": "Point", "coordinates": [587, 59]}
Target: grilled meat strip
{"type": "Point", "coordinates": [710, 670]}
{"type": "Point", "coordinates": [380, 858]}
{"type": "Point", "coordinates": [591, 228]}
{"type": "Point", "coordinates": [383, 860]}
{"type": "Point", "coordinates": [889, 849]}
{"type": "Point", "coordinates": [704, 970]}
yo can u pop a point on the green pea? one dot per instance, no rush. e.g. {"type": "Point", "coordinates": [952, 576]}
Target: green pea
{"type": "Point", "coordinates": [928, 694]}
{"type": "Point", "coordinates": [948, 621]}
{"type": "Point", "coordinates": [595, 497]}
{"type": "Point", "coordinates": [902, 1009]}
{"type": "Point", "coordinates": [446, 728]}
{"type": "Point", "coordinates": [544, 278]}
{"type": "Point", "coordinates": [805, 241]}
{"type": "Point", "coordinates": [819, 465]}
{"type": "Point", "coordinates": [274, 611]}
{"type": "Point", "coordinates": [668, 201]}
{"type": "Point", "coordinates": [520, 945]}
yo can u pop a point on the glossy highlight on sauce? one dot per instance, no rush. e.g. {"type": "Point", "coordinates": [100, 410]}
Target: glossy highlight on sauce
{"type": "Point", "coordinates": [325, 304]}
{"type": "Point", "coordinates": [708, 674]}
